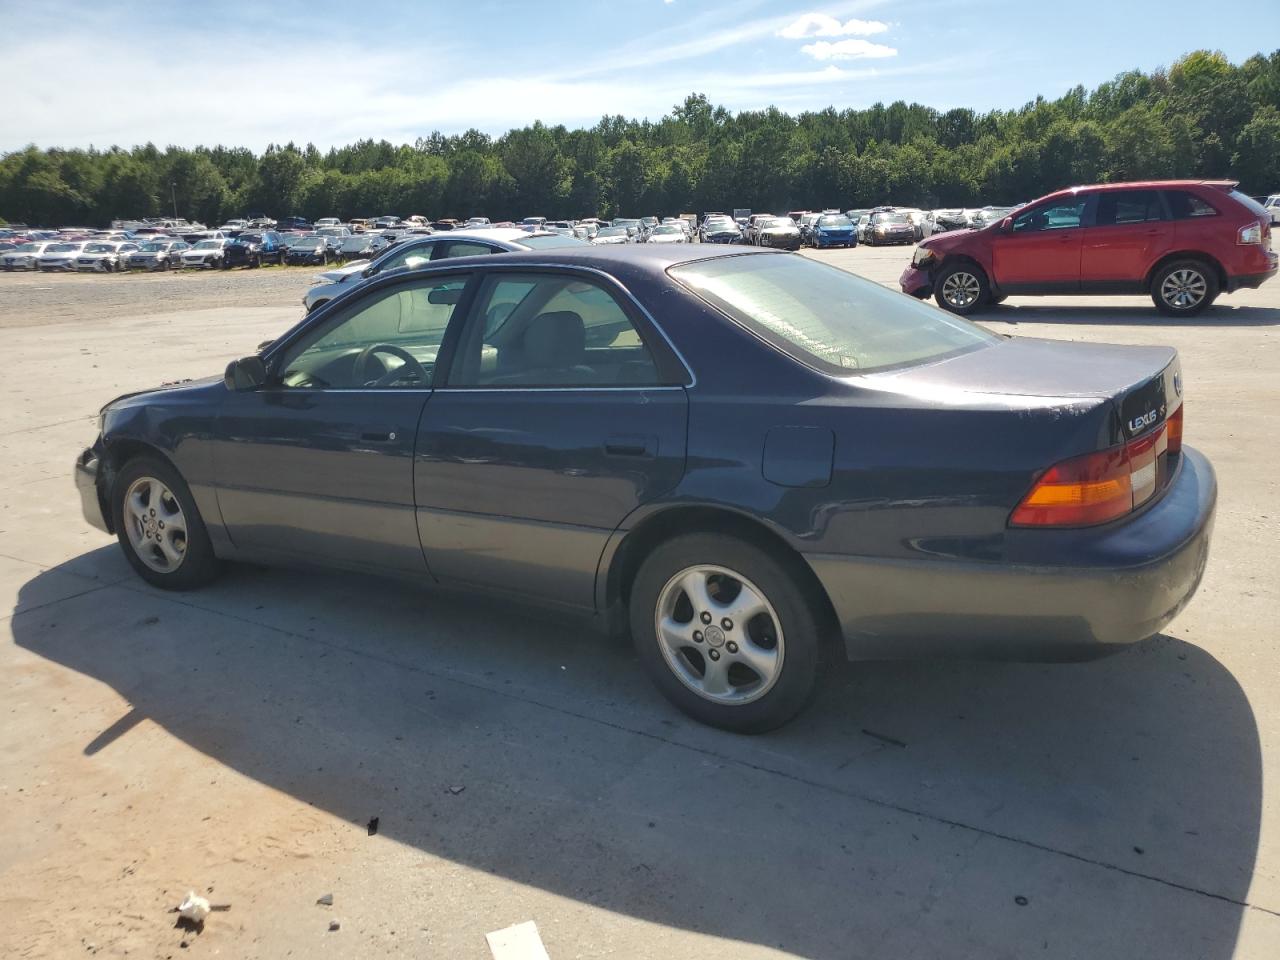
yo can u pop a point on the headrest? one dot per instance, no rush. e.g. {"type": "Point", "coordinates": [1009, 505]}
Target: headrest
{"type": "Point", "coordinates": [555, 340]}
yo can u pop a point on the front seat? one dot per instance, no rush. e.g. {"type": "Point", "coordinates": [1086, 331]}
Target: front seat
{"type": "Point", "coordinates": [552, 351]}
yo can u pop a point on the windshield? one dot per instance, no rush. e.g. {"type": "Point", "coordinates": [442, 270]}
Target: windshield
{"type": "Point", "coordinates": [890, 218]}
{"type": "Point", "coordinates": [100, 248]}
{"type": "Point", "coordinates": [721, 223]}
{"type": "Point", "coordinates": [667, 228]}
{"type": "Point", "coordinates": [828, 318]}
{"type": "Point", "coordinates": [551, 240]}
{"type": "Point", "coordinates": [774, 222]}
{"type": "Point", "coordinates": [154, 247]}
{"type": "Point", "coordinates": [27, 248]}
{"type": "Point", "coordinates": [612, 232]}
{"type": "Point", "coordinates": [624, 222]}
{"type": "Point", "coordinates": [208, 245]}
{"type": "Point", "coordinates": [61, 247]}
{"type": "Point", "coordinates": [835, 222]}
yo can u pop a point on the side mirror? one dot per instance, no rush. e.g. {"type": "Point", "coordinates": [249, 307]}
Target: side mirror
{"type": "Point", "coordinates": [1006, 225]}
{"type": "Point", "coordinates": [247, 373]}
{"type": "Point", "coordinates": [368, 271]}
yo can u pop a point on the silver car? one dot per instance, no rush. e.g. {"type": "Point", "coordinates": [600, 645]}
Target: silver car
{"type": "Point", "coordinates": [417, 252]}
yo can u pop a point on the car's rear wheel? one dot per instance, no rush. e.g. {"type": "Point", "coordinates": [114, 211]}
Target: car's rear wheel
{"type": "Point", "coordinates": [1184, 287]}
{"type": "Point", "coordinates": [726, 632]}
{"type": "Point", "coordinates": [159, 526]}
{"type": "Point", "coordinates": [961, 288]}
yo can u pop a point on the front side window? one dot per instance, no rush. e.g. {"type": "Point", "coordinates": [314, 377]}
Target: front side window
{"type": "Point", "coordinates": [1056, 215]}
{"type": "Point", "coordinates": [828, 318]}
{"type": "Point", "coordinates": [1118, 207]}
{"type": "Point", "coordinates": [387, 340]}
{"type": "Point", "coordinates": [550, 330]}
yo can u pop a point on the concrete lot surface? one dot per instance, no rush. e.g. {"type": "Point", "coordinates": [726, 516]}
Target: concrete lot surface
{"type": "Point", "coordinates": [238, 740]}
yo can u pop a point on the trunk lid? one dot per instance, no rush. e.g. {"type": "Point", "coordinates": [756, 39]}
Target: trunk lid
{"type": "Point", "coordinates": [1143, 384]}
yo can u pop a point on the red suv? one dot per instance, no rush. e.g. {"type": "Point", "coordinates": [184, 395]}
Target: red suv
{"type": "Point", "coordinates": [1181, 241]}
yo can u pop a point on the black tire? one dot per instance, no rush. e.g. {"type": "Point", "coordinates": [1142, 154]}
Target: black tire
{"type": "Point", "coordinates": [798, 613]}
{"type": "Point", "coordinates": [998, 298]}
{"type": "Point", "coordinates": [961, 288]}
{"type": "Point", "coordinates": [1183, 288]}
{"type": "Point", "coordinates": [198, 566]}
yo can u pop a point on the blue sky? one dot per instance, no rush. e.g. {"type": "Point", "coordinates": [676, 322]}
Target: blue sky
{"type": "Point", "coordinates": [251, 73]}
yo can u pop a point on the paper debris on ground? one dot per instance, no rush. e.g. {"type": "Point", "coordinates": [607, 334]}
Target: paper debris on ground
{"type": "Point", "coordinates": [194, 908]}
{"type": "Point", "coordinates": [520, 942]}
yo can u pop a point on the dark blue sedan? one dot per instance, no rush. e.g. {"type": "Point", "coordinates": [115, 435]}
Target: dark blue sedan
{"type": "Point", "coordinates": [755, 462]}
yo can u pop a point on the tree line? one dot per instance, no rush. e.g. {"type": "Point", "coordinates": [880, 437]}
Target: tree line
{"type": "Point", "coordinates": [1202, 117]}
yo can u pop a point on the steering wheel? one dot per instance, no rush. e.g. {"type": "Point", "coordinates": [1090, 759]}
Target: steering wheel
{"type": "Point", "coordinates": [411, 366]}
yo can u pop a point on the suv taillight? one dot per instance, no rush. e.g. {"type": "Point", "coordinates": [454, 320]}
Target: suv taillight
{"type": "Point", "coordinates": [1250, 234]}
{"type": "Point", "coordinates": [1102, 486]}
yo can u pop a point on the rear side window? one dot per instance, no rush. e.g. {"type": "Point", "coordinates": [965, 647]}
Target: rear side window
{"type": "Point", "coordinates": [461, 248]}
{"type": "Point", "coordinates": [825, 317]}
{"type": "Point", "coordinates": [531, 330]}
{"type": "Point", "coordinates": [1184, 205]}
{"type": "Point", "coordinates": [1117, 207]}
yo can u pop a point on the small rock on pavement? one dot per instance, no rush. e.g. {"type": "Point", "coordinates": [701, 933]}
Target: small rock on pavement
{"type": "Point", "coordinates": [335, 925]}
{"type": "Point", "coordinates": [456, 790]}
{"type": "Point", "coordinates": [326, 900]}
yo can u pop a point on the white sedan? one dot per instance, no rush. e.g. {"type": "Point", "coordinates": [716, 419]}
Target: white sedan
{"type": "Point", "coordinates": [25, 256]}
{"type": "Point", "coordinates": [61, 256]}
{"type": "Point", "coordinates": [668, 233]}
{"type": "Point", "coordinates": [205, 255]}
{"type": "Point", "coordinates": [103, 256]}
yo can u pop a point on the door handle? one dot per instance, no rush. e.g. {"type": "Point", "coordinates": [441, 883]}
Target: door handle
{"type": "Point", "coordinates": [630, 446]}
{"type": "Point", "coordinates": [378, 436]}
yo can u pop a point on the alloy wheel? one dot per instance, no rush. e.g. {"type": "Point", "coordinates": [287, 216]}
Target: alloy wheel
{"type": "Point", "coordinates": [1184, 288]}
{"type": "Point", "coordinates": [155, 524]}
{"type": "Point", "coordinates": [719, 634]}
{"type": "Point", "coordinates": [961, 289]}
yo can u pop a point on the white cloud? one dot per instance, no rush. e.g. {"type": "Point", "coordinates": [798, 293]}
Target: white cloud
{"type": "Point", "coordinates": [824, 25]}
{"type": "Point", "coordinates": [853, 49]}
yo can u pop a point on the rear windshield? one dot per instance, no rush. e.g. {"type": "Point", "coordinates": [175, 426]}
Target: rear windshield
{"type": "Point", "coordinates": [1253, 205]}
{"type": "Point", "coordinates": [826, 317]}
{"type": "Point", "coordinates": [549, 240]}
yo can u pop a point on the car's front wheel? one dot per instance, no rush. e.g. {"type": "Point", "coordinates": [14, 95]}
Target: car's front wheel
{"type": "Point", "coordinates": [1184, 287]}
{"type": "Point", "coordinates": [726, 632]}
{"type": "Point", "coordinates": [159, 526]}
{"type": "Point", "coordinates": [961, 288]}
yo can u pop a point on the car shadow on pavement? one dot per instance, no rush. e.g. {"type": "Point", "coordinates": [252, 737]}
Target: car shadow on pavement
{"type": "Point", "coordinates": [963, 809]}
{"type": "Point", "coordinates": [1140, 314]}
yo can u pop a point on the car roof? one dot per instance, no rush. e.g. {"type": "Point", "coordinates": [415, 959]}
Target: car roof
{"type": "Point", "coordinates": [1223, 185]}
{"type": "Point", "coordinates": [610, 258]}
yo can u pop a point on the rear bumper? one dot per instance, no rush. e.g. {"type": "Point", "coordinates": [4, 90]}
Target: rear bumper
{"type": "Point", "coordinates": [916, 282]}
{"type": "Point", "coordinates": [1086, 593]}
{"type": "Point", "coordinates": [1254, 280]}
{"type": "Point", "coordinates": [86, 473]}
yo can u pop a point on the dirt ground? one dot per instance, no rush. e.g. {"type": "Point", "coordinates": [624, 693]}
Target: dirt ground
{"type": "Point", "coordinates": [237, 741]}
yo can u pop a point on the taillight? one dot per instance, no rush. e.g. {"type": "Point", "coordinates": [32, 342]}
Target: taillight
{"type": "Point", "coordinates": [1250, 234]}
{"type": "Point", "coordinates": [1102, 486]}
{"type": "Point", "coordinates": [1173, 430]}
